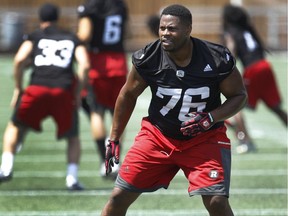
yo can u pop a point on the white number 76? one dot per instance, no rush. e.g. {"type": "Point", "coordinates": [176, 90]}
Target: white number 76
{"type": "Point", "coordinates": [187, 103]}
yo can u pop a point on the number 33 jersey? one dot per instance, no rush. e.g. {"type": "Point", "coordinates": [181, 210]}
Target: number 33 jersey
{"type": "Point", "coordinates": [53, 56]}
{"type": "Point", "coordinates": [176, 90]}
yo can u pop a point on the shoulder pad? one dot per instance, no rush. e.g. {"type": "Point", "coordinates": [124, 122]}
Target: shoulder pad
{"type": "Point", "coordinates": [224, 60]}
{"type": "Point", "coordinates": [147, 57]}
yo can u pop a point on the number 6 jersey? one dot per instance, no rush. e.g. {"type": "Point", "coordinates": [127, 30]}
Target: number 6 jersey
{"type": "Point", "coordinates": [108, 18]}
{"type": "Point", "coordinates": [176, 90]}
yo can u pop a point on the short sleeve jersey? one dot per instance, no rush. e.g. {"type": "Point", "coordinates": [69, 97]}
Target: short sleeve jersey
{"type": "Point", "coordinates": [177, 91]}
{"type": "Point", "coordinates": [53, 57]}
{"type": "Point", "coordinates": [108, 18]}
{"type": "Point", "coordinates": [247, 48]}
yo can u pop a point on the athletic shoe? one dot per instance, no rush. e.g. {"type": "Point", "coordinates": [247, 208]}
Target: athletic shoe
{"type": "Point", "coordinates": [245, 148]}
{"type": "Point", "coordinates": [19, 147]}
{"type": "Point", "coordinates": [115, 171]}
{"type": "Point", "coordinates": [5, 177]}
{"type": "Point", "coordinates": [112, 175]}
{"type": "Point", "coordinates": [75, 187]}
{"type": "Point", "coordinates": [103, 170]}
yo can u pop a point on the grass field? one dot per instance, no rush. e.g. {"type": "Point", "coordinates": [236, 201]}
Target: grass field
{"type": "Point", "coordinates": [259, 180]}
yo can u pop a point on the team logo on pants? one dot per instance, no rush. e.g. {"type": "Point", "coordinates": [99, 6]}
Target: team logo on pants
{"type": "Point", "coordinates": [213, 174]}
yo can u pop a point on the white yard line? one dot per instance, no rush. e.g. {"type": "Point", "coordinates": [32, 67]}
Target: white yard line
{"type": "Point", "coordinates": [236, 191]}
{"type": "Point", "coordinates": [90, 157]}
{"type": "Point", "coordinates": [93, 173]}
{"type": "Point", "coordinates": [183, 212]}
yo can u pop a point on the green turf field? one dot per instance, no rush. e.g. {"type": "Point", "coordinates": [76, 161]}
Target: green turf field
{"type": "Point", "coordinates": [258, 184]}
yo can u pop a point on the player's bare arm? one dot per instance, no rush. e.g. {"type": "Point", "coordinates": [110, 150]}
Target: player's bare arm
{"type": "Point", "coordinates": [83, 62]}
{"type": "Point", "coordinates": [235, 93]}
{"type": "Point", "coordinates": [20, 62]}
{"type": "Point", "coordinates": [85, 29]}
{"type": "Point", "coordinates": [126, 102]}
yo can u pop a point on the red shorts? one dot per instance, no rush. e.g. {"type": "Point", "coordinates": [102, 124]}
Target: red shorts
{"type": "Point", "coordinates": [105, 90]}
{"type": "Point", "coordinates": [153, 161]}
{"type": "Point", "coordinates": [261, 84]}
{"type": "Point", "coordinates": [40, 102]}
{"type": "Point", "coordinates": [107, 76]}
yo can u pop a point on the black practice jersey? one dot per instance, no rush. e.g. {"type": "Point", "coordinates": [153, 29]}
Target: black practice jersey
{"type": "Point", "coordinates": [108, 18]}
{"type": "Point", "coordinates": [53, 56]}
{"type": "Point", "coordinates": [247, 48]}
{"type": "Point", "coordinates": [177, 91]}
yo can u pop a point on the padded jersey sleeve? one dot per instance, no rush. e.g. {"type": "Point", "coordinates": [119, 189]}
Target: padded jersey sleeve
{"type": "Point", "coordinates": [147, 59]}
{"type": "Point", "coordinates": [88, 8]}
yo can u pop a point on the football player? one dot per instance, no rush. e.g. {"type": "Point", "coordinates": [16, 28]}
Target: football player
{"type": "Point", "coordinates": [54, 91]}
{"type": "Point", "coordinates": [184, 129]}
{"type": "Point", "coordinates": [102, 27]}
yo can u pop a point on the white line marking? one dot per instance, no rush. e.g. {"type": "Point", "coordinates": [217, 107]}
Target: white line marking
{"type": "Point", "coordinates": [145, 212]}
{"type": "Point", "coordinates": [236, 191]}
{"type": "Point", "coordinates": [92, 157]}
{"type": "Point", "coordinates": [93, 173]}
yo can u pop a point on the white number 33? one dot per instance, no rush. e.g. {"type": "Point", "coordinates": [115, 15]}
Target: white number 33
{"type": "Point", "coordinates": [57, 53]}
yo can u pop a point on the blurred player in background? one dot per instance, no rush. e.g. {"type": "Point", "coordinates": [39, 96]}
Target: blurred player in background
{"type": "Point", "coordinates": [152, 23]}
{"type": "Point", "coordinates": [102, 27]}
{"type": "Point", "coordinates": [184, 129]}
{"type": "Point", "coordinates": [243, 41]}
{"type": "Point", "coordinates": [54, 91]}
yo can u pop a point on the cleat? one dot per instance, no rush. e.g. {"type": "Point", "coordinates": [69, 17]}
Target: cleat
{"type": "Point", "coordinates": [19, 147]}
{"type": "Point", "coordinates": [115, 170]}
{"type": "Point", "coordinates": [75, 187]}
{"type": "Point", "coordinates": [112, 175]}
{"type": "Point", "coordinates": [103, 170]}
{"type": "Point", "coordinates": [244, 148]}
{"type": "Point", "coordinates": [5, 177]}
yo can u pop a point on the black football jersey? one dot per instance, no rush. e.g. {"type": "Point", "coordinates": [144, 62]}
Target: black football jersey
{"type": "Point", "coordinates": [177, 91]}
{"type": "Point", "coordinates": [53, 57]}
{"type": "Point", "coordinates": [247, 48]}
{"type": "Point", "coordinates": [108, 18]}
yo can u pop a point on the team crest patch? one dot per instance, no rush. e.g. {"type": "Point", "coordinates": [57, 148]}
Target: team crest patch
{"type": "Point", "coordinates": [180, 73]}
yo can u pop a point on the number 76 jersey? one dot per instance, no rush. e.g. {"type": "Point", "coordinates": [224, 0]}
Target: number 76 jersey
{"type": "Point", "coordinates": [176, 90]}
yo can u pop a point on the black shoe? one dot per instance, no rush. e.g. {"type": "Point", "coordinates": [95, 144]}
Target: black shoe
{"type": "Point", "coordinates": [75, 187]}
{"type": "Point", "coordinates": [4, 178]}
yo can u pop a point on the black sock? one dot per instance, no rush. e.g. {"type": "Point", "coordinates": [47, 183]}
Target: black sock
{"type": "Point", "coordinates": [100, 143]}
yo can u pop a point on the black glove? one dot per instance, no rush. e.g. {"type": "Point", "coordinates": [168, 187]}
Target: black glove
{"type": "Point", "coordinates": [112, 153]}
{"type": "Point", "coordinates": [197, 124]}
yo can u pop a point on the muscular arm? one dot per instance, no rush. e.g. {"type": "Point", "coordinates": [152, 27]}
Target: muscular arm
{"type": "Point", "coordinates": [235, 93]}
{"type": "Point", "coordinates": [126, 102]}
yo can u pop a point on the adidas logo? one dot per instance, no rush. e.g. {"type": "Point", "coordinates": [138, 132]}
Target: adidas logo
{"type": "Point", "coordinates": [207, 68]}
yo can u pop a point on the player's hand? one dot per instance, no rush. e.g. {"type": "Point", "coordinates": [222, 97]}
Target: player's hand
{"type": "Point", "coordinates": [198, 123]}
{"type": "Point", "coordinates": [112, 155]}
